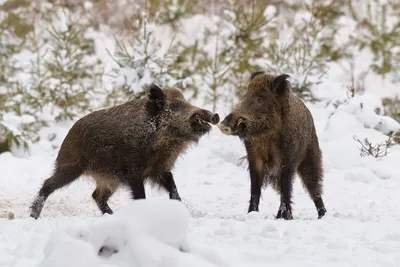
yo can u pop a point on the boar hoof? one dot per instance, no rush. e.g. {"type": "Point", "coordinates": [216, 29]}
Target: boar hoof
{"type": "Point", "coordinates": [107, 210]}
{"type": "Point", "coordinates": [321, 213]}
{"type": "Point", "coordinates": [252, 208]}
{"type": "Point", "coordinates": [175, 196]}
{"type": "Point", "coordinates": [34, 215]}
{"type": "Point", "coordinates": [286, 215]}
{"type": "Point", "coordinates": [284, 212]}
{"type": "Point", "coordinates": [36, 207]}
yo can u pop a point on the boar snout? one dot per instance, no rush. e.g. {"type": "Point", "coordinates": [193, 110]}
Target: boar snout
{"type": "Point", "coordinates": [231, 126]}
{"type": "Point", "coordinates": [224, 126]}
{"type": "Point", "coordinates": [207, 116]}
{"type": "Point", "coordinates": [224, 129]}
{"type": "Point", "coordinates": [202, 120]}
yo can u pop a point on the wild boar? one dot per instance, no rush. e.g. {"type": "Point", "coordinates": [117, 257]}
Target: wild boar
{"type": "Point", "coordinates": [127, 145]}
{"type": "Point", "coordinates": [279, 135]}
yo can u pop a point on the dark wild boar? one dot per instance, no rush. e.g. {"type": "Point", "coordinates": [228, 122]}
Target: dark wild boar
{"type": "Point", "coordinates": [128, 144]}
{"type": "Point", "coordinates": [279, 135]}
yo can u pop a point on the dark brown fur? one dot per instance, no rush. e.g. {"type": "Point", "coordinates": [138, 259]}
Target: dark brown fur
{"type": "Point", "coordinates": [279, 135]}
{"type": "Point", "coordinates": [128, 144]}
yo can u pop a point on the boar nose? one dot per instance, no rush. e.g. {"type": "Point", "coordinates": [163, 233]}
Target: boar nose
{"type": "Point", "coordinates": [208, 116]}
{"type": "Point", "coordinates": [215, 118]}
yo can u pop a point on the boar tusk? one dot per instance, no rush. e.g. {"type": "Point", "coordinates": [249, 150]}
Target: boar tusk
{"type": "Point", "coordinates": [240, 120]}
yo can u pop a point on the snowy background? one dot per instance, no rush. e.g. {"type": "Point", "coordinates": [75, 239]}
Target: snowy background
{"type": "Point", "coordinates": [361, 194]}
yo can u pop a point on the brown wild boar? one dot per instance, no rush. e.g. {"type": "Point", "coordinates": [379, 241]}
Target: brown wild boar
{"type": "Point", "coordinates": [279, 135]}
{"type": "Point", "coordinates": [128, 144]}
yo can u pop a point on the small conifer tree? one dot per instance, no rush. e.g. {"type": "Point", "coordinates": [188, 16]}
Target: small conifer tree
{"type": "Point", "coordinates": [75, 72]}
{"type": "Point", "coordinates": [145, 61]}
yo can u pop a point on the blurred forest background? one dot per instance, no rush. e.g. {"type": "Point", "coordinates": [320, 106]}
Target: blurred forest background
{"type": "Point", "coordinates": [51, 71]}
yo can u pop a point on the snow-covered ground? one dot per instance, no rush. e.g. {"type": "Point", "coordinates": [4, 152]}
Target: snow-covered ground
{"type": "Point", "coordinates": [362, 197]}
{"type": "Point", "coordinates": [361, 228]}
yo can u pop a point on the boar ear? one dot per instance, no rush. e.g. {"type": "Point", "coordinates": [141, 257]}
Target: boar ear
{"type": "Point", "coordinates": [280, 84]}
{"type": "Point", "coordinates": [155, 93]}
{"type": "Point", "coordinates": [156, 100]}
{"type": "Point", "coordinates": [254, 74]}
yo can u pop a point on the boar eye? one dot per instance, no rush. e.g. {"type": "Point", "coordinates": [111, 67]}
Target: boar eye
{"type": "Point", "coordinates": [259, 100]}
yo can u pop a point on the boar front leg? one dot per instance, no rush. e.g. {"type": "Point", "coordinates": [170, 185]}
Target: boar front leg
{"type": "Point", "coordinates": [256, 169]}
{"type": "Point", "coordinates": [256, 176]}
{"type": "Point", "coordinates": [167, 181]}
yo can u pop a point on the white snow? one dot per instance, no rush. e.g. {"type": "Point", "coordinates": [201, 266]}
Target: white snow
{"type": "Point", "coordinates": [144, 233]}
{"type": "Point", "coordinates": [361, 228]}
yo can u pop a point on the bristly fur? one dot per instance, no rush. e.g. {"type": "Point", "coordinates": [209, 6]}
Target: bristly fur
{"type": "Point", "coordinates": [279, 135]}
{"type": "Point", "coordinates": [128, 144]}
{"type": "Point", "coordinates": [254, 74]}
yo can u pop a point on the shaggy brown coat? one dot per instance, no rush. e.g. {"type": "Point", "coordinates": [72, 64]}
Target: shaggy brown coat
{"type": "Point", "coordinates": [128, 144]}
{"type": "Point", "coordinates": [279, 135]}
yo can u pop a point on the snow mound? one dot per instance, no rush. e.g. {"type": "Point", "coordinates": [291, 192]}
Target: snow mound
{"type": "Point", "coordinates": [368, 110]}
{"type": "Point", "coordinates": [146, 232]}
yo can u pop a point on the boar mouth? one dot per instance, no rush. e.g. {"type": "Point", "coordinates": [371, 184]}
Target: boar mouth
{"type": "Point", "coordinates": [201, 125]}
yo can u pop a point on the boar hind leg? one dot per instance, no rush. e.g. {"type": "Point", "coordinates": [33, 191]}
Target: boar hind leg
{"type": "Point", "coordinates": [63, 175]}
{"type": "Point", "coordinates": [311, 174]}
{"type": "Point", "coordinates": [101, 196]}
{"type": "Point", "coordinates": [168, 183]}
{"type": "Point", "coordinates": [286, 188]}
{"type": "Point", "coordinates": [105, 188]}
